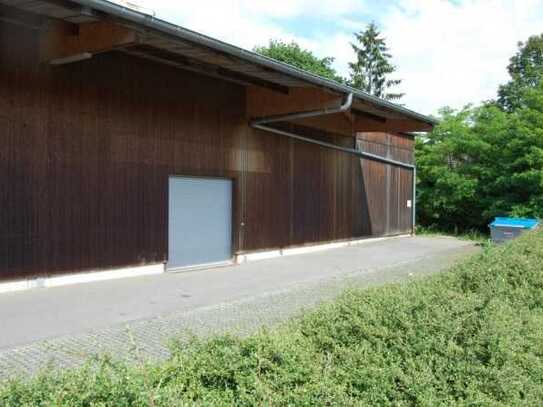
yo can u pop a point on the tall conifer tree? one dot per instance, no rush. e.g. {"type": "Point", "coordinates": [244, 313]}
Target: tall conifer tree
{"type": "Point", "coordinates": [372, 68]}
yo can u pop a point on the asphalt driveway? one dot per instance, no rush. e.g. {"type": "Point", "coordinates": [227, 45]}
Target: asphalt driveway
{"type": "Point", "coordinates": [61, 327]}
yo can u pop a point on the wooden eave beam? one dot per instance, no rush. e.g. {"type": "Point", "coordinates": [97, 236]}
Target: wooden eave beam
{"type": "Point", "coordinates": [366, 124]}
{"type": "Point", "coordinates": [193, 65]}
{"type": "Point", "coordinates": [366, 115]}
{"type": "Point", "coordinates": [93, 38]}
{"type": "Point", "coordinates": [262, 103]}
{"type": "Point", "coordinates": [65, 4]}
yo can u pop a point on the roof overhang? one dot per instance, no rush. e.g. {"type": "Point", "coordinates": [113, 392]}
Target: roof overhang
{"type": "Point", "coordinates": [75, 29]}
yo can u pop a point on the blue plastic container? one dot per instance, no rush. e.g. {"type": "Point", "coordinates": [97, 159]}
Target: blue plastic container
{"type": "Point", "coordinates": [504, 229]}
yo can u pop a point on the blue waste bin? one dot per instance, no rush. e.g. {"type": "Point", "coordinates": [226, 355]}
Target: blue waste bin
{"type": "Point", "coordinates": [504, 229]}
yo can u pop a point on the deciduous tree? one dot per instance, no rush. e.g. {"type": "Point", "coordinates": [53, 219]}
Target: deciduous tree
{"type": "Point", "coordinates": [482, 162]}
{"type": "Point", "coordinates": [292, 54]}
{"type": "Point", "coordinates": [526, 71]}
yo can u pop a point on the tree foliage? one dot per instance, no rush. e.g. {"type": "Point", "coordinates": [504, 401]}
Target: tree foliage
{"type": "Point", "coordinates": [292, 54]}
{"type": "Point", "coordinates": [482, 162]}
{"type": "Point", "coordinates": [486, 161]}
{"type": "Point", "coordinates": [372, 68]}
{"type": "Point", "coordinates": [526, 71]}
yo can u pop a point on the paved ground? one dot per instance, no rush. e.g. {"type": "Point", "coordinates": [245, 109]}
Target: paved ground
{"type": "Point", "coordinates": [135, 318]}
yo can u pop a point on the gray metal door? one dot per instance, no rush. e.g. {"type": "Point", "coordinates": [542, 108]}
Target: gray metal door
{"type": "Point", "coordinates": [200, 221]}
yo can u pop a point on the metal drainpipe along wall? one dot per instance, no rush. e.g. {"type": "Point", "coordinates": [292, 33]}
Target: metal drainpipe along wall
{"type": "Point", "coordinates": [152, 22]}
{"type": "Point", "coordinates": [261, 124]}
{"type": "Point", "coordinates": [414, 203]}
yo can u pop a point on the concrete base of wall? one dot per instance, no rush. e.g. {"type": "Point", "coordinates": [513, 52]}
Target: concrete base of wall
{"type": "Point", "coordinates": [114, 274]}
{"type": "Point", "coordinates": [78, 278]}
{"type": "Point", "coordinates": [264, 255]}
{"type": "Point", "coordinates": [201, 266]}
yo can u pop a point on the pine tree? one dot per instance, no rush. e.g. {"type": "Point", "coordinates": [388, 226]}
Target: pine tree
{"type": "Point", "coordinates": [371, 70]}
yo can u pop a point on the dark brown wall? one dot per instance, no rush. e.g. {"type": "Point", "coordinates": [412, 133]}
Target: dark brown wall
{"type": "Point", "coordinates": [86, 150]}
{"type": "Point", "coordinates": [306, 193]}
{"type": "Point", "coordinates": [390, 186]}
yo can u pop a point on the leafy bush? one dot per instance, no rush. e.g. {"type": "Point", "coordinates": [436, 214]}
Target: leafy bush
{"type": "Point", "coordinates": [487, 161]}
{"type": "Point", "coordinates": [473, 336]}
{"type": "Point", "coordinates": [480, 163]}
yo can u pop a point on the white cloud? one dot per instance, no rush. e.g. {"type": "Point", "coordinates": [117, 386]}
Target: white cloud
{"type": "Point", "coordinates": [447, 53]}
{"type": "Point", "coordinates": [454, 54]}
{"type": "Point", "coordinates": [294, 8]}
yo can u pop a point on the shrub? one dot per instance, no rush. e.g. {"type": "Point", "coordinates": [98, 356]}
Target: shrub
{"type": "Point", "coordinates": [472, 336]}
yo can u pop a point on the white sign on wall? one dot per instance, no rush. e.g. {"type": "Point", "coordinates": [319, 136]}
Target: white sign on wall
{"type": "Point", "coordinates": [409, 204]}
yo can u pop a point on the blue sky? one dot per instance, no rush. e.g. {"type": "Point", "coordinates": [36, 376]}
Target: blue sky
{"type": "Point", "coordinates": [448, 53]}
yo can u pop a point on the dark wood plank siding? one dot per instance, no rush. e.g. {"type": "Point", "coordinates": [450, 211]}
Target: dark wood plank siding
{"type": "Point", "coordinates": [300, 193]}
{"type": "Point", "coordinates": [388, 187]}
{"type": "Point", "coordinates": [86, 150]}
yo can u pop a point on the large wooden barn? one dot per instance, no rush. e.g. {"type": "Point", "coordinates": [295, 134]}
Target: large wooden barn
{"type": "Point", "coordinates": [127, 141]}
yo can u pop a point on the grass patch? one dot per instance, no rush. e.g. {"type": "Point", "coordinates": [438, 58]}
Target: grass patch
{"type": "Point", "coordinates": [473, 336]}
{"type": "Point", "coordinates": [473, 235]}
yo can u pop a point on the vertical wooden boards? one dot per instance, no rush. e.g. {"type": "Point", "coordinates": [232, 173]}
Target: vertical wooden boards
{"type": "Point", "coordinates": [314, 194]}
{"type": "Point", "coordinates": [389, 188]}
{"type": "Point", "coordinates": [267, 194]}
{"type": "Point", "coordinates": [86, 150]}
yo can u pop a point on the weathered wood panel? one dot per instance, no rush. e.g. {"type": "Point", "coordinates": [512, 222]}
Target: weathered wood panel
{"type": "Point", "coordinates": [264, 102]}
{"type": "Point", "coordinates": [406, 194]}
{"type": "Point", "coordinates": [308, 193]}
{"type": "Point", "coordinates": [86, 150]}
{"type": "Point", "coordinates": [388, 187]}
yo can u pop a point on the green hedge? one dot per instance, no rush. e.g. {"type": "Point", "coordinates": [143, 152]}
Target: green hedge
{"type": "Point", "coordinates": [473, 336]}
